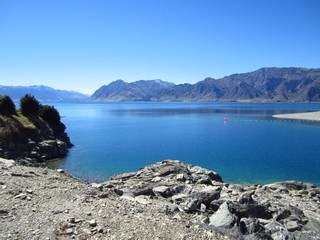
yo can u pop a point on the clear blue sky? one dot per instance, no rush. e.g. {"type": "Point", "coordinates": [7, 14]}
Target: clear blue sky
{"type": "Point", "coordinates": [83, 44]}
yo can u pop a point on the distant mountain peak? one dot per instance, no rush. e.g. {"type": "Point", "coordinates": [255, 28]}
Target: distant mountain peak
{"type": "Point", "coordinates": [41, 92]}
{"type": "Point", "coordinates": [264, 84]}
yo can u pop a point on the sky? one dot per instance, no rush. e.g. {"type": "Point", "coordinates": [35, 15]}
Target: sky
{"type": "Point", "coordinates": [83, 44]}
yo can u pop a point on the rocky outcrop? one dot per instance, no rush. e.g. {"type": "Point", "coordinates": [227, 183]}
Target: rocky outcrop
{"type": "Point", "coordinates": [286, 210]}
{"type": "Point", "coordinates": [166, 200]}
{"type": "Point", "coordinates": [33, 143]}
{"type": "Point", "coordinates": [39, 203]}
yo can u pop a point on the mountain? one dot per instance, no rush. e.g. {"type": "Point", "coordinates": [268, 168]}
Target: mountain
{"type": "Point", "coordinates": [265, 84]}
{"type": "Point", "coordinates": [142, 90]}
{"type": "Point", "coordinates": [43, 93]}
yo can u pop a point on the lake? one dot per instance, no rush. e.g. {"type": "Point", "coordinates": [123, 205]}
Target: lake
{"type": "Point", "coordinates": [241, 141]}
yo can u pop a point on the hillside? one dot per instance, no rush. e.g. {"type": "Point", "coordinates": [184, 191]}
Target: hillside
{"type": "Point", "coordinates": [43, 93]}
{"type": "Point", "coordinates": [265, 84]}
{"type": "Point", "coordinates": [120, 90]}
{"type": "Point", "coordinates": [31, 137]}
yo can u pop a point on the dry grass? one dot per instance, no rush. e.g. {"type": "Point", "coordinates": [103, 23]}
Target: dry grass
{"type": "Point", "coordinates": [24, 120]}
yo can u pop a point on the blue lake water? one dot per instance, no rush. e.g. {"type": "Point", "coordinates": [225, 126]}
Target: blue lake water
{"type": "Point", "coordinates": [251, 147]}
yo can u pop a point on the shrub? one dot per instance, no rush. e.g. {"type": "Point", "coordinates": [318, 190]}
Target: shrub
{"type": "Point", "coordinates": [29, 105]}
{"type": "Point", "coordinates": [50, 114]}
{"type": "Point", "coordinates": [7, 107]}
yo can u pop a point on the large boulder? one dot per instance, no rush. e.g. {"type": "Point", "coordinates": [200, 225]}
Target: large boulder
{"type": "Point", "coordinates": [162, 191]}
{"type": "Point", "coordinates": [207, 195]}
{"type": "Point", "coordinates": [223, 218]}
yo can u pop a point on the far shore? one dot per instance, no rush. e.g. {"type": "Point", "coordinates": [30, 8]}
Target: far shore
{"type": "Point", "coordinates": [307, 116]}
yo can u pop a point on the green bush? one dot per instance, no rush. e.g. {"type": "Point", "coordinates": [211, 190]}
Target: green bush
{"type": "Point", "coordinates": [29, 105]}
{"type": "Point", "coordinates": [50, 114]}
{"type": "Point", "coordinates": [7, 107]}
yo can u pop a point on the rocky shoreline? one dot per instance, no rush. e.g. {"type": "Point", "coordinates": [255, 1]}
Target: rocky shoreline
{"type": "Point", "coordinates": [34, 143]}
{"type": "Point", "coordinates": [166, 200]}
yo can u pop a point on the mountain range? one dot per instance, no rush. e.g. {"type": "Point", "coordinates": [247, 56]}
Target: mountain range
{"type": "Point", "coordinates": [265, 84]}
{"type": "Point", "coordinates": [43, 93]}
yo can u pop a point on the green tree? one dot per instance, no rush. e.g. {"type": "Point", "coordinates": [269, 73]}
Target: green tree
{"type": "Point", "coordinates": [7, 106]}
{"type": "Point", "coordinates": [50, 114]}
{"type": "Point", "coordinates": [29, 105]}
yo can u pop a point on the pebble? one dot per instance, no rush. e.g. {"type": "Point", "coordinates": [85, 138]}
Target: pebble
{"type": "Point", "coordinates": [29, 191]}
{"type": "Point", "coordinates": [97, 186]}
{"type": "Point", "coordinates": [21, 196]}
{"type": "Point", "coordinates": [86, 231]}
{"type": "Point", "coordinates": [92, 223]}
{"type": "Point", "coordinates": [69, 231]}
{"type": "Point", "coordinates": [292, 226]}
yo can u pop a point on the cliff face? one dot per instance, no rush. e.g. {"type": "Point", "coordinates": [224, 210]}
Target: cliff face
{"type": "Point", "coordinates": [266, 84]}
{"type": "Point", "coordinates": [31, 140]}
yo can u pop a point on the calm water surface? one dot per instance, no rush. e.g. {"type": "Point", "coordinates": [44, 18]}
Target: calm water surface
{"type": "Point", "coordinates": [250, 147]}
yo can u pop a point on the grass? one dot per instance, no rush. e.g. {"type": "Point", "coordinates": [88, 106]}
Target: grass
{"type": "Point", "coordinates": [24, 120]}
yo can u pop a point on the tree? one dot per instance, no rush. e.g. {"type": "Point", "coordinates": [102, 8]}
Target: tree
{"type": "Point", "coordinates": [50, 114]}
{"type": "Point", "coordinates": [7, 106]}
{"type": "Point", "coordinates": [29, 105]}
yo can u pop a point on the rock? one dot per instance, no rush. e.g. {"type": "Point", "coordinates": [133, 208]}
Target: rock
{"type": "Point", "coordinates": [60, 170]}
{"type": "Point", "coordinates": [118, 191]}
{"type": "Point", "coordinates": [92, 223]}
{"type": "Point", "coordinates": [69, 231]}
{"type": "Point", "coordinates": [289, 212]}
{"type": "Point", "coordinates": [29, 191]}
{"type": "Point", "coordinates": [71, 219]}
{"type": "Point", "coordinates": [162, 191]}
{"type": "Point", "coordinates": [204, 180]}
{"type": "Point", "coordinates": [156, 179]}
{"type": "Point", "coordinates": [181, 189]}
{"type": "Point", "coordinates": [7, 163]}
{"type": "Point", "coordinates": [99, 229]}
{"type": "Point", "coordinates": [277, 231]}
{"type": "Point", "coordinates": [207, 195]}
{"type": "Point", "coordinates": [292, 226]}
{"type": "Point", "coordinates": [201, 219]}
{"type": "Point", "coordinates": [177, 217]}
{"type": "Point", "coordinates": [214, 176]}
{"type": "Point", "coordinates": [103, 195]}
{"type": "Point", "coordinates": [146, 190]}
{"type": "Point", "coordinates": [97, 186]}
{"type": "Point", "coordinates": [171, 208]}
{"type": "Point", "coordinates": [250, 210]}
{"type": "Point", "coordinates": [215, 204]}
{"type": "Point", "coordinates": [86, 231]}
{"type": "Point", "coordinates": [222, 218]}
{"type": "Point", "coordinates": [289, 185]}
{"type": "Point", "coordinates": [178, 198]}
{"type": "Point", "coordinates": [123, 176]}
{"type": "Point", "coordinates": [192, 206]}
{"type": "Point", "coordinates": [21, 196]}
{"type": "Point", "coordinates": [4, 212]}
{"type": "Point", "coordinates": [249, 226]}
{"type": "Point", "coordinates": [246, 198]}
{"type": "Point", "coordinates": [203, 207]}
{"type": "Point", "coordinates": [180, 177]}
{"type": "Point", "coordinates": [282, 214]}
{"type": "Point", "coordinates": [140, 199]}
